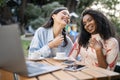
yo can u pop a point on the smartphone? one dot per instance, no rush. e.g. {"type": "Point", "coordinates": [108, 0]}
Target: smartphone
{"type": "Point", "coordinates": [68, 62]}
{"type": "Point", "coordinates": [74, 67]}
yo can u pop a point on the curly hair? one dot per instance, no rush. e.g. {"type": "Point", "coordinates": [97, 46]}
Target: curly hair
{"type": "Point", "coordinates": [104, 27]}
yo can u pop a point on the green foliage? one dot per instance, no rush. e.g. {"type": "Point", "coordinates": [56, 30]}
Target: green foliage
{"type": "Point", "coordinates": [3, 2]}
{"type": "Point", "coordinates": [117, 24]}
{"type": "Point", "coordinates": [48, 8]}
{"type": "Point", "coordinates": [83, 4]}
{"type": "Point", "coordinates": [38, 15]}
{"type": "Point", "coordinates": [32, 11]}
{"type": "Point", "coordinates": [25, 45]}
{"type": "Point", "coordinates": [37, 22]}
{"type": "Point", "coordinates": [110, 5]}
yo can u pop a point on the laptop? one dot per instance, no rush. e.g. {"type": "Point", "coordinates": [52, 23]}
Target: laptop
{"type": "Point", "coordinates": [12, 57]}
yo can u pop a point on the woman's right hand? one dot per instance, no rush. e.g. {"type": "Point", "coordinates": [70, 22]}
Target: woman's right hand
{"type": "Point", "coordinates": [56, 42]}
{"type": "Point", "coordinates": [97, 45]}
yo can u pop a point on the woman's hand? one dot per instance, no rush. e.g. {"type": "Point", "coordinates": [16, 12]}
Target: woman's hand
{"type": "Point", "coordinates": [97, 45]}
{"type": "Point", "coordinates": [56, 42]}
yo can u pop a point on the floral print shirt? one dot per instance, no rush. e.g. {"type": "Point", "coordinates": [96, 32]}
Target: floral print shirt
{"type": "Point", "coordinates": [88, 56]}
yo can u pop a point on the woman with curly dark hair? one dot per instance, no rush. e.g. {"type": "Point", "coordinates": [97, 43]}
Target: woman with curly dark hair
{"type": "Point", "coordinates": [96, 44]}
{"type": "Point", "coordinates": [51, 37]}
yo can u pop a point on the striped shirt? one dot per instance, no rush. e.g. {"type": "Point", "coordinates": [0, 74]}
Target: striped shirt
{"type": "Point", "coordinates": [39, 44]}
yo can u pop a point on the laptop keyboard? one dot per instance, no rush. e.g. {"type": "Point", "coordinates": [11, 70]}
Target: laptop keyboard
{"type": "Point", "coordinates": [34, 67]}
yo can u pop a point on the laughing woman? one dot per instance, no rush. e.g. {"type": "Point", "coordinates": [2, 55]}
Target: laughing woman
{"type": "Point", "coordinates": [96, 45]}
{"type": "Point", "coordinates": [51, 37]}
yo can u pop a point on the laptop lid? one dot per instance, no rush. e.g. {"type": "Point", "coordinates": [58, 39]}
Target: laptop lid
{"type": "Point", "coordinates": [11, 52]}
{"type": "Point", "coordinates": [12, 56]}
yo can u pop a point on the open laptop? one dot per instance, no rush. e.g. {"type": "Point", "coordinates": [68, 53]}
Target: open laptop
{"type": "Point", "coordinates": [12, 57]}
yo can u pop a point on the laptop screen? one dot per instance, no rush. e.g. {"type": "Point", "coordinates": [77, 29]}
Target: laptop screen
{"type": "Point", "coordinates": [11, 51]}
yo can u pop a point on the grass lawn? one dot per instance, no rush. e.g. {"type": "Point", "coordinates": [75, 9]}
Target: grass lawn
{"type": "Point", "coordinates": [25, 45]}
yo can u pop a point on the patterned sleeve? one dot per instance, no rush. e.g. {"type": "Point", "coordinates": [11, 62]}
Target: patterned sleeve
{"type": "Point", "coordinates": [75, 50]}
{"type": "Point", "coordinates": [112, 50]}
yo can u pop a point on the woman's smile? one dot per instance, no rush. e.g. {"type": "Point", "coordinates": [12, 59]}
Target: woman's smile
{"type": "Point", "coordinates": [89, 23]}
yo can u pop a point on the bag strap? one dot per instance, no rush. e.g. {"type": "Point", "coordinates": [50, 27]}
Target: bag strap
{"type": "Point", "coordinates": [79, 47]}
{"type": "Point", "coordinates": [75, 48]}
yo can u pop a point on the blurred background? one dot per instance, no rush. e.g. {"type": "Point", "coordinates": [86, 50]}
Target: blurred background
{"type": "Point", "coordinates": [31, 14]}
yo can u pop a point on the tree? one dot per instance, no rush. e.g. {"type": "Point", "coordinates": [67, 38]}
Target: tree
{"type": "Point", "coordinates": [21, 15]}
{"type": "Point", "coordinates": [44, 7]}
{"type": "Point", "coordinates": [36, 15]}
{"type": "Point", "coordinates": [5, 13]}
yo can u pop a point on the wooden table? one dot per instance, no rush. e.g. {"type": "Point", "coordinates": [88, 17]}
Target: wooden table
{"type": "Point", "coordinates": [89, 73]}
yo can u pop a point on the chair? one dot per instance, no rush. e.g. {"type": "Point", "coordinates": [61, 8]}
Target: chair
{"type": "Point", "coordinates": [117, 68]}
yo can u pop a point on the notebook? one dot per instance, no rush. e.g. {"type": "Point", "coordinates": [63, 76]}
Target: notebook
{"type": "Point", "coordinates": [12, 57]}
